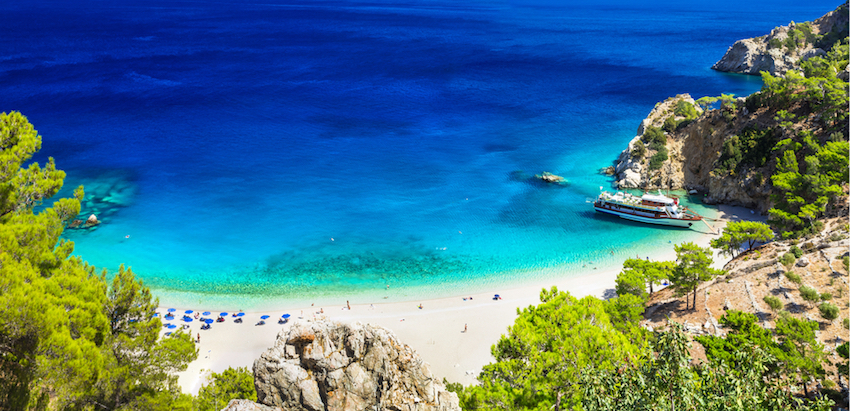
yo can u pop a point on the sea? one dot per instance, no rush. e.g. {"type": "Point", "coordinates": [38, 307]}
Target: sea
{"type": "Point", "coordinates": [244, 154]}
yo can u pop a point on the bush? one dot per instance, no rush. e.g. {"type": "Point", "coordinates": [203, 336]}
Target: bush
{"type": "Point", "coordinates": [794, 277]}
{"type": "Point", "coordinates": [670, 124]}
{"type": "Point", "coordinates": [788, 260]}
{"type": "Point", "coordinates": [809, 294]}
{"type": "Point", "coordinates": [796, 251]}
{"type": "Point", "coordinates": [826, 297]}
{"type": "Point", "coordinates": [639, 150]}
{"type": "Point", "coordinates": [658, 159]}
{"type": "Point", "coordinates": [686, 110]}
{"type": "Point", "coordinates": [654, 137]}
{"type": "Point", "coordinates": [846, 323]}
{"type": "Point", "coordinates": [773, 302]}
{"type": "Point", "coordinates": [828, 311]}
{"type": "Point", "coordinates": [774, 43]}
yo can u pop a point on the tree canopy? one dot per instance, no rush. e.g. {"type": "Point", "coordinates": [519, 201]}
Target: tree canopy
{"type": "Point", "coordinates": [67, 340]}
{"type": "Point", "coordinates": [693, 266]}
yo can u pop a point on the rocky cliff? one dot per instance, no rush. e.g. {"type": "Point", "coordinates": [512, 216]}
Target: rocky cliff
{"type": "Point", "coordinates": [786, 46]}
{"type": "Point", "coordinates": [326, 366]}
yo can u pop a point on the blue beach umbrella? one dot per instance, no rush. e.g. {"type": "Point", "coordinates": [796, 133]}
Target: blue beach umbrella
{"type": "Point", "coordinates": [209, 321]}
{"type": "Point", "coordinates": [189, 311]}
{"type": "Point", "coordinates": [286, 316]}
{"type": "Point", "coordinates": [223, 314]}
{"type": "Point", "coordinates": [205, 313]}
{"type": "Point", "coordinates": [240, 314]}
{"type": "Point", "coordinates": [170, 326]}
{"type": "Point", "coordinates": [264, 317]}
{"type": "Point", "coordinates": [188, 320]}
{"type": "Point", "coordinates": [171, 310]}
{"type": "Point", "coordinates": [156, 314]}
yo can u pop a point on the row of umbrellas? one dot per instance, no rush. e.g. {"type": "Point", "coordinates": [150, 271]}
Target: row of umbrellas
{"type": "Point", "coordinates": [188, 319]}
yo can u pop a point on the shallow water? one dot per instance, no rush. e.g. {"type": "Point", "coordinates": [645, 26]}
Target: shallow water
{"type": "Point", "coordinates": [314, 150]}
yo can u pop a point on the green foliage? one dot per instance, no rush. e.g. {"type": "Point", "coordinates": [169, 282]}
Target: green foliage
{"type": "Point", "coordinates": [639, 150]}
{"type": "Point", "coordinates": [654, 137]}
{"type": "Point", "coordinates": [65, 342]}
{"type": "Point", "coordinates": [670, 124]}
{"type": "Point", "coordinates": [846, 323]}
{"type": "Point", "coordinates": [632, 282]}
{"type": "Point", "coordinates": [658, 158]}
{"type": "Point", "coordinates": [686, 110]}
{"type": "Point", "coordinates": [826, 296]}
{"type": "Point", "coordinates": [828, 311]}
{"type": "Point", "coordinates": [788, 260]}
{"type": "Point", "coordinates": [790, 275]}
{"type": "Point", "coordinates": [737, 233]}
{"type": "Point", "coordinates": [803, 355]}
{"type": "Point", "coordinates": [796, 251]}
{"type": "Point", "coordinates": [774, 302]}
{"type": "Point", "coordinates": [751, 148]}
{"type": "Point", "coordinates": [774, 43]}
{"type": "Point", "coordinates": [693, 266]}
{"type": "Point", "coordinates": [233, 383]}
{"type": "Point", "coordinates": [541, 357]}
{"type": "Point", "coordinates": [665, 380]}
{"type": "Point", "coordinates": [809, 294]}
{"type": "Point", "coordinates": [744, 332]}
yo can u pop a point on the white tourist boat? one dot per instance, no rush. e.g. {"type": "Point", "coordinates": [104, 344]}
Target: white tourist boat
{"type": "Point", "coordinates": [649, 208]}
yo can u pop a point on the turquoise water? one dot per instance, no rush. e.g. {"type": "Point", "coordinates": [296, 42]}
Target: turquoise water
{"type": "Point", "coordinates": [320, 151]}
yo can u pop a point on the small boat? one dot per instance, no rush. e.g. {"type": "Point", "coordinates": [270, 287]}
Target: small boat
{"type": "Point", "coordinates": [649, 208]}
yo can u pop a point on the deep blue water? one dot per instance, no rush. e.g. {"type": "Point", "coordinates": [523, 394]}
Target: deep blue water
{"type": "Point", "coordinates": [319, 149]}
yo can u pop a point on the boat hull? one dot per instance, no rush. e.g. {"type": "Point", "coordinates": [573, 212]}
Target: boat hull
{"type": "Point", "coordinates": [649, 220]}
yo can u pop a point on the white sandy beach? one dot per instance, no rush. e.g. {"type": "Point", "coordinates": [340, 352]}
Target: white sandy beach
{"type": "Point", "coordinates": [436, 331]}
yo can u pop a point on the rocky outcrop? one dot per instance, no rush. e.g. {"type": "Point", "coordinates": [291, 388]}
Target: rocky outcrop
{"type": "Point", "coordinates": [786, 46]}
{"type": "Point", "coordinates": [326, 366]}
{"type": "Point", "coordinates": [632, 167]}
{"type": "Point", "coordinates": [550, 178]}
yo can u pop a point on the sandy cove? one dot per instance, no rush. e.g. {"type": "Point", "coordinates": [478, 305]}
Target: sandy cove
{"type": "Point", "coordinates": [436, 331]}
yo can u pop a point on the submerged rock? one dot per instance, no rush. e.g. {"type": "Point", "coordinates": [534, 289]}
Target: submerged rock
{"type": "Point", "coordinates": [550, 178]}
{"type": "Point", "coordinates": [326, 366]}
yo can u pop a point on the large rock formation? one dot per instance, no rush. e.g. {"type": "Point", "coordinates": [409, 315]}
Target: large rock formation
{"type": "Point", "coordinates": [632, 170]}
{"type": "Point", "coordinates": [325, 366]}
{"type": "Point", "coordinates": [786, 46]}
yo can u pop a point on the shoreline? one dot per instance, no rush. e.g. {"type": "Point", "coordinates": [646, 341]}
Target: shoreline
{"type": "Point", "coordinates": [436, 331]}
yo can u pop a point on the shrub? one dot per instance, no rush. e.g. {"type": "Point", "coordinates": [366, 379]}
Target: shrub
{"type": "Point", "coordinates": [653, 135]}
{"type": "Point", "coordinates": [846, 261]}
{"type": "Point", "coordinates": [658, 159]}
{"type": "Point", "coordinates": [794, 277]}
{"type": "Point", "coordinates": [788, 259]}
{"type": "Point", "coordinates": [826, 296]}
{"type": "Point", "coordinates": [774, 43]}
{"type": "Point", "coordinates": [828, 311]}
{"type": "Point", "coordinates": [670, 124]}
{"type": "Point", "coordinates": [846, 323]}
{"type": "Point", "coordinates": [796, 251]}
{"type": "Point", "coordinates": [639, 150]}
{"type": "Point", "coordinates": [774, 302]}
{"type": "Point", "coordinates": [686, 110]}
{"type": "Point", "coordinates": [809, 294]}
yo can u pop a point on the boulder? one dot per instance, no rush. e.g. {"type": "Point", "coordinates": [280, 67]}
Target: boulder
{"type": "Point", "coordinates": [550, 178]}
{"type": "Point", "coordinates": [92, 220]}
{"type": "Point", "coordinates": [324, 366]}
{"type": "Point", "coordinates": [802, 262]}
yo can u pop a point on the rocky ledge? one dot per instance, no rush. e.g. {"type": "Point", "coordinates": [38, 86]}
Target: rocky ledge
{"type": "Point", "coordinates": [326, 366]}
{"type": "Point", "coordinates": [786, 46]}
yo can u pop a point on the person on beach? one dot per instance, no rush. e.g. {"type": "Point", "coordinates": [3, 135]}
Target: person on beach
{"type": "Point", "coordinates": [348, 305]}
{"type": "Point", "coordinates": [199, 338]}
{"type": "Point", "coordinates": [464, 328]}
{"type": "Point", "coordinates": [420, 306]}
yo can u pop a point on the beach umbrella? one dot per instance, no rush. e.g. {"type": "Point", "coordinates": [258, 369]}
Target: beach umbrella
{"type": "Point", "coordinates": [205, 313]}
{"type": "Point", "coordinates": [170, 326]}
{"type": "Point", "coordinates": [189, 311]}
{"type": "Point", "coordinates": [223, 314]}
{"type": "Point", "coordinates": [240, 314]}
{"type": "Point", "coordinates": [264, 317]}
{"type": "Point", "coordinates": [209, 321]}
{"type": "Point", "coordinates": [187, 319]}
{"type": "Point", "coordinates": [285, 316]}
{"type": "Point", "coordinates": [171, 310]}
{"type": "Point", "coordinates": [156, 314]}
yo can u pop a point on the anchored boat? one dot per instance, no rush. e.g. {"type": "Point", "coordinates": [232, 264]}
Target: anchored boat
{"type": "Point", "coordinates": [649, 208]}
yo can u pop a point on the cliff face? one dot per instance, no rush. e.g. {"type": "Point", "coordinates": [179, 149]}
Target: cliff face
{"type": "Point", "coordinates": [786, 46]}
{"type": "Point", "coordinates": [325, 366]}
{"type": "Point", "coordinates": [695, 153]}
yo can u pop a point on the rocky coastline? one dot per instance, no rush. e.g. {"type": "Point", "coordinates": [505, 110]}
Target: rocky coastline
{"type": "Point", "coordinates": [785, 46]}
